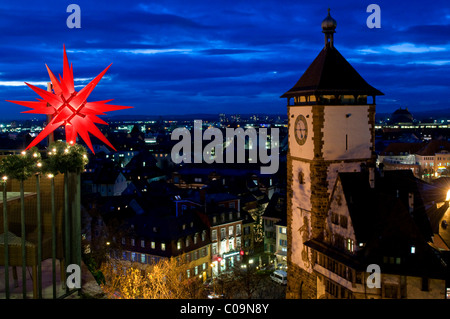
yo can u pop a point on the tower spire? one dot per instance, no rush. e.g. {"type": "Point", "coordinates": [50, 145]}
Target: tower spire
{"type": "Point", "coordinates": [328, 28]}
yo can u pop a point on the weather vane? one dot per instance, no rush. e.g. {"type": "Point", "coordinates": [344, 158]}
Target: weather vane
{"type": "Point", "coordinates": [70, 108]}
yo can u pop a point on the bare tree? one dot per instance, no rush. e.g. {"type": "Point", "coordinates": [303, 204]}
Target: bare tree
{"type": "Point", "coordinates": [165, 279]}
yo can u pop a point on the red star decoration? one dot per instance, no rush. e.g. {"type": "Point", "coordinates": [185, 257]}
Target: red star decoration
{"type": "Point", "coordinates": [70, 108]}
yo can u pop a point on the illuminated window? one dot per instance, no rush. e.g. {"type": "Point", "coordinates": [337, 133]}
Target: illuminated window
{"type": "Point", "coordinates": [413, 250]}
{"type": "Point", "coordinates": [349, 244]}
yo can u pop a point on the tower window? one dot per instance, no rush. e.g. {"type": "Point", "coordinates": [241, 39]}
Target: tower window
{"type": "Point", "coordinates": [301, 178]}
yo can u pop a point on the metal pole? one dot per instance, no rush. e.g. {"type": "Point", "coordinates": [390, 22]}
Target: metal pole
{"type": "Point", "coordinates": [39, 248]}
{"type": "Point", "coordinates": [5, 238]}
{"type": "Point", "coordinates": [66, 223]}
{"type": "Point", "coordinates": [74, 185]}
{"type": "Point", "coordinates": [77, 232]}
{"type": "Point", "coordinates": [52, 180]}
{"type": "Point", "coordinates": [24, 252]}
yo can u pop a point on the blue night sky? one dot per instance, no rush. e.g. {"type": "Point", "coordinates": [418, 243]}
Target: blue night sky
{"type": "Point", "coordinates": [179, 57]}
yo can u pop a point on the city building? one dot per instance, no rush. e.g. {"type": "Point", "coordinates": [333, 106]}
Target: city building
{"type": "Point", "coordinates": [344, 214]}
{"type": "Point", "coordinates": [427, 160]}
{"type": "Point", "coordinates": [162, 230]}
{"type": "Point", "coordinates": [222, 213]}
{"type": "Point", "coordinates": [378, 218]}
{"type": "Point", "coordinates": [273, 214]}
{"type": "Point", "coordinates": [331, 130]}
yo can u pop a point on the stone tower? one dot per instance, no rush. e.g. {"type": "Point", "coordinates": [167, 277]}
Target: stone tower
{"type": "Point", "coordinates": [331, 112]}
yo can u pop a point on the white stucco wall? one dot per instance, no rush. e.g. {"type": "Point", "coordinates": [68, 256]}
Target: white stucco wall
{"type": "Point", "coordinates": [306, 150]}
{"type": "Point", "coordinates": [337, 125]}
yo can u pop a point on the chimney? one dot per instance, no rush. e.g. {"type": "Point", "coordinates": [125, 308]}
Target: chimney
{"type": "Point", "coordinates": [372, 177]}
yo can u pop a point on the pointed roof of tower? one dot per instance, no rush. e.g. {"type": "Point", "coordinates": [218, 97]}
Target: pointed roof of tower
{"type": "Point", "coordinates": [331, 73]}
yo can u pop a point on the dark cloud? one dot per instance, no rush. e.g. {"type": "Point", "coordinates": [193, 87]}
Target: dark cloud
{"type": "Point", "coordinates": [234, 56]}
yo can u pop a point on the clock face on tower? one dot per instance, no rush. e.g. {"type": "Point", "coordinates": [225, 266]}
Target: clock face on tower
{"type": "Point", "coordinates": [301, 129]}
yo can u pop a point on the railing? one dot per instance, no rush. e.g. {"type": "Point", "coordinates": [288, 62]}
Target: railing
{"type": "Point", "coordinates": [40, 228]}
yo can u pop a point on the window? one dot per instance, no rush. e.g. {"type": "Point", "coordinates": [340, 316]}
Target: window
{"type": "Point", "coordinates": [335, 218]}
{"type": "Point", "coordinates": [413, 250]}
{"type": "Point", "coordinates": [230, 231]}
{"type": "Point", "coordinates": [214, 234]}
{"type": "Point", "coordinates": [143, 258]}
{"type": "Point", "coordinates": [301, 178]}
{"type": "Point", "coordinates": [179, 245]}
{"type": "Point", "coordinates": [339, 241]}
{"type": "Point", "coordinates": [123, 241]}
{"type": "Point", "coordinates": [343, 221]}
{"type": "Point", "coordinates": [214, 249]}
{"type": "Point", "coordinates": [349, 245]}
{"type": "Point", "coordinates": [132, 242]}
{"type": "Point", "coordinates": [222, 233]}
{"type": "Point", "coordinates": [231, 244]}
{"type": "Point", "coordinates": [163, 246]}
{"type": "Point", "coordinates": [238, 229]}
{"type": "Point", "coordinates": [152, 245]}
{"type": "Point", "coordinates": [390, 291]}
{"type": "Point", "coordinates": [142, 243]}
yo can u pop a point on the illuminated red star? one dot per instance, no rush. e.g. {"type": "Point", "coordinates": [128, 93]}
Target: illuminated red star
{"type": "Point", "coordinates": [70, 108]}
